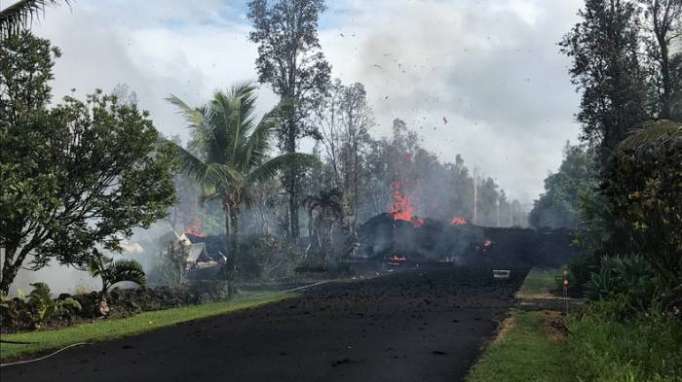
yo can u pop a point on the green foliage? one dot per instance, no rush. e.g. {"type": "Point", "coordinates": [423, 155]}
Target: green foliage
{"type": "Point", "coordinates": [67, 308]}
{"type": "Point", "coordinates": [644, 192]}
{"type": "Point", "coordinates": [42, 305]}
{"type": "Point", "coordinates": [580, 269]}
{"type": "Point", "coordinates": [539, 283]}
{"type": "Point", "coordinates": [646, 348]}
{"type": "Point", "coordinates": [37, 309]}
{"type": "Point", "coordinates": [628, 279]}
{"type": "Point", "coordinates": [232, 153]}
{"type": "Point", "coordinates": [559, 205]}
{"type": "Point", "coordinates": [267, 258]}
{"type": "Point", "coordinates": [524, 353]}
{"type": "Point", "coordinates": [76, 175]}
{"type": "Point", "coordinates": [115, 271]}
{"type": "Point", "coordinates": [19, 15]}
{"type": "Point", "coordinates": [291, 61]}
{"type": "Point", "coordinates": [605, 46]}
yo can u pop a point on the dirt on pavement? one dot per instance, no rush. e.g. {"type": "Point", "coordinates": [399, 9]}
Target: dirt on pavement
{"type": "Point", "coordinates": [418, 325]}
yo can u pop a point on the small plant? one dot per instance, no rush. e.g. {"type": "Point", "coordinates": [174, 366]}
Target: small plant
{"type": "Point", "coordinates": [42, 306]}
{"type": "Point", "coordinates": [628, 280]}
{"type": "Point", "coordinates": [67, 308]}
{"type": "Point", "coordinates": [113, 272]}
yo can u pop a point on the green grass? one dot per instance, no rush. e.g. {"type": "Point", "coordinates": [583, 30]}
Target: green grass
{"type": "Point", "coordinates": [539, 283]}
{"type": "Point", "coordinates": [644, 348]}
{"type": "Point", "coordinates": [109, 329]}
{"type": "Point", "coordinates": [524, 353]}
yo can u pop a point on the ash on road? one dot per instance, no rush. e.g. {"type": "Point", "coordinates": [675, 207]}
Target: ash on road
{"type": "Point", "coordinates": [420, 325]}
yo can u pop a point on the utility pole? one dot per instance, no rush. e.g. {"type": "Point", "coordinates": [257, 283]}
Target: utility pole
{"type": "Point", "coordinates": [475, 196]}
{"type": "Point", "coordinates": [497, 210]}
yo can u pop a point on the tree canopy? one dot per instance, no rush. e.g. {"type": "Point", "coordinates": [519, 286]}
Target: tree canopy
{"type": "Point", "coordinates": [76, 175]}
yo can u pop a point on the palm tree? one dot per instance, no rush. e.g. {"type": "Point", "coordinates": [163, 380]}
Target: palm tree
{"type": "Point", "coordinates": [113, 272]}
{"type": "Point", "coordinates": [231, 153]}
{"type": "Point", "coordinates": [20, 14]}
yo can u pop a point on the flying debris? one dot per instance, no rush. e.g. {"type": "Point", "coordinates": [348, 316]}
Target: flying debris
{"type": "Point", "coordinates": [445, 120]}
{"type": "Point", "coordinates": [378, 66]}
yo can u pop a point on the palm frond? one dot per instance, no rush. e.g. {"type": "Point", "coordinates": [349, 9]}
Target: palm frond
{"type": "Point", "coordinates": [270, 168]}
{"type": "Point", "coordinates": [223, 176]}
{"type": "Point", "coordinates": [654, 134]}
{"type": "Point", "coordinates": [246, 94]}
{"type": "Point", "coordinates": [258, 143]}
{"type": "Point", "coordinates": [208, 196]}
{"type": "Point", "coordinates": [21, 14]}
{"type": "Point", "coordinates": [190, 164]}
{"type": "Point", "coordinates": [194, 117]}
{"type": "Point", "coordinates": [126, 270]}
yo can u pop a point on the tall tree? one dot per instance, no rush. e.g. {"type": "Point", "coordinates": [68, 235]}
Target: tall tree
{"type": "Point", "coordinates": [559, 205]}
{"type": "Point", "coordinates": [232, 154]}
{"type": "Point", "coordinates": [345, 118]}
{"type": "Point", "coordinates": [605, 50]}
{"type": "Point", "coordinates": [664, 25]}
{"type": "Point", "coordinates": [73, 176]}
{"type": "Point", "coordinates": [290, 60]}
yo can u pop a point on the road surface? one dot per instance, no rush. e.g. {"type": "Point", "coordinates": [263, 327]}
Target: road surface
{"type": "Point", "coordinates": [420, 325]}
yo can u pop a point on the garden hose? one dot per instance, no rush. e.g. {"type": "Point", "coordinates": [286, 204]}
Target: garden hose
{"type": "Point", "coordinates": [42, 358]}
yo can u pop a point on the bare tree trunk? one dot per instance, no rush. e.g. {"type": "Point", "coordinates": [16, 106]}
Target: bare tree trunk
{"type": "Point", "coordinates": [12, 262]}
{"type": "Point", "coordinates": [292, 182]}
{"type": "Point", "coordinates": [229, 254]}
{"type": "Point", "coordinates": [234, 239]}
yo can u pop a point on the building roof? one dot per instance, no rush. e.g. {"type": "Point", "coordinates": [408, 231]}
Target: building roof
{"type": "Point", "coordinates": [196, 251]}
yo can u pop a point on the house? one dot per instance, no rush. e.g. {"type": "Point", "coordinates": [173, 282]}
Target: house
{"type": "Point", "coordinates": [197, 255]}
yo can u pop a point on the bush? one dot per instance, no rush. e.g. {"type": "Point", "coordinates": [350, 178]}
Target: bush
{"type": "Point", "coordinates": [630, 280]}
{"type": "Point", "coordinates": [644, 194]}
{"type": "Point", "coordinates": [37, 309]}
{"type": "Point", "coordinates": [645, 348]}
{"type": "Point", "coordinates": [266, 257]}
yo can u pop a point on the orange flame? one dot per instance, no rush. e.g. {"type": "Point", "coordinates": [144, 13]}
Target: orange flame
{"type": "Point", "coordinates": [458, 220]}
{"type": "Point", "coordinates": [194, 229]}
{"type": "Point", "coordinates": [402, 208]}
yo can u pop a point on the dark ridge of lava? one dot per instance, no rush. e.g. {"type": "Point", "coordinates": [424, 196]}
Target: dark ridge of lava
{"type": "Point", "coordinates": [433, 240]}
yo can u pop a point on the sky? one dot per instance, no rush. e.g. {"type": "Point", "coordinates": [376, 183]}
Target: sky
{"type": "Point", "coordinates": [492, 68]}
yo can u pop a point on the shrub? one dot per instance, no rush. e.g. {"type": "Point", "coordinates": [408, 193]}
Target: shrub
{"type": "Point", "coordinates": [628, 280]}
{"type": "Point", "coordinates": [37, 309]}
{"type": "Point", "coordinates": [645, 348]}
{"type": "Point", "coordinates": [266, 257]}
{"type": "Point", "coordinates": [644, 191]}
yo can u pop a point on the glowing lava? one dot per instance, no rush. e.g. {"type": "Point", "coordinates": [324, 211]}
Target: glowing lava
{"type": "Point", "coordinates": [194, 229]}
{"type": "Point", "coordinates": [458, 220]}
{"type": "Point", "coordinates": [402, 208]}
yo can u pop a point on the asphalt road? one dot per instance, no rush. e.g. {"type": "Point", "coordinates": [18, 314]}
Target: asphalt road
{"type": "Point", "coordinates": [422, 325]}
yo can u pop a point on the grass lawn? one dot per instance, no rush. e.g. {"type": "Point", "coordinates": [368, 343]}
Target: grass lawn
{"type": "Point", "coordinates": [110, 329]}
{"type": "Point", "coordinates": [538, 284]}
{"type": "Point", "coordinates": [526, 350]}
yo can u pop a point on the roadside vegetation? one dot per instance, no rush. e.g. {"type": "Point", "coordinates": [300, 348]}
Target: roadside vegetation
{"type": "Point", "coordinates": [620, 190]}
{"type": "Point", "coordinates": [540, 283]}
{"type": "Point", "coordinates": [525, 350]}
{"type": "Point", "coordinates": [102, 330]}
{"type": "Point", "coordinates": [594, 343]}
